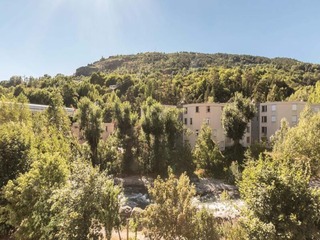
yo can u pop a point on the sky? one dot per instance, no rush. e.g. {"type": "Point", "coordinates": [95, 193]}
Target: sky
{"type": "Point", "coordinates": [40, 37]}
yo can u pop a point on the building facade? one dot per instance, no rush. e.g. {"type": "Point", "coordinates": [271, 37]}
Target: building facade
{"type": "Point", "coordinates": [271, 114]}
{"type": "Point", "coordinates": [196, 114]}
{"type": "Point", "coordinates": [265, 123]}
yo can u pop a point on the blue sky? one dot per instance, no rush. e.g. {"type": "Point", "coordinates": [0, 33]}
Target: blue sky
{"type": "Point", "coordinates": [40, 37]}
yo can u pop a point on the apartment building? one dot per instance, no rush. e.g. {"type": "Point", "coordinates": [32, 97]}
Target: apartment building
{"type": "Point", "coordinates": [196, 114]}
{"type": "Point", "coordinates": [266, 122]}
{"type": "Point", "coordinates": [271, 114]}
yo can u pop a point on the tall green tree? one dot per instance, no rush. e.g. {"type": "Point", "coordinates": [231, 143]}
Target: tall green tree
{"type": "Point", "coordinates": [173, 127]}
{"type": "Point", "coordinates": [110, 157]}
{"type": "Point", "coordinates": [179, 156]}
{"type": "Point", "coordinates": [314, 97]}
{"type": "Point", "coordinates": [57, 116]}
{"type": "Point", "coordinates": [162, 134]}
{"type": "Point", "coordinates": [90, 118]}
{"type": "Point", "coordinates": [16, 142]}
{"type": "Point", "coordinates": [152, 123]}
{"type": "Point", "coordinates": [125, 120]}
{"type": "Point", "coordinates": [206, 154]}
{"type": "Point", "coordinates": [235, 117]}
{"type": "Point", "coordinates": [69, 94]}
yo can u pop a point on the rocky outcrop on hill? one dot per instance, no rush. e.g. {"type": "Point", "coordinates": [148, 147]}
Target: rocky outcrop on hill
{"type": "Point", "coordinates": [86, 71]}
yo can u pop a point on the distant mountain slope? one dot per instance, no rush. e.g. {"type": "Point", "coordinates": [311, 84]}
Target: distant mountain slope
{"type": "Point", "coordinates": [170, 63]}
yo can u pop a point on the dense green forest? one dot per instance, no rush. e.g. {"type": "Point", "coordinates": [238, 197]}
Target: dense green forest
{"type": "Point", "coordinates": [53, 187]}
{"type": "Point", "coordinates": [176, 78]}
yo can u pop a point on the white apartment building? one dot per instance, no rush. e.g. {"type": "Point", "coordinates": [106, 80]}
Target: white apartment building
{"type": "Point", "coordinates": [195, 114]}
{"type": "Point", "coordinates": [271, 114]}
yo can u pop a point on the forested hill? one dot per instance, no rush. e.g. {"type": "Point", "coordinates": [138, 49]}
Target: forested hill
{"type": "Point", "coordinates": [170, 63]}
{"type": "Point", "coordinates": [175, 78]}
{"type": "Point", "coordinates": [196, 77]}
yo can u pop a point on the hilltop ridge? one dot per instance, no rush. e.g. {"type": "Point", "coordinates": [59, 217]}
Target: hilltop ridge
{"type": "Point", "coordinates": [170, 63]}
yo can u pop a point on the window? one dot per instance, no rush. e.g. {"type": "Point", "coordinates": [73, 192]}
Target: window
{"type": "Point", "coordinates": [208, 109]}
{"type": "Point", "coordinates": [185, 121]}
{"type": "Point", "coordinates": [197, 109]}
{"type": "Point", "coordinates": [197, 132]}
{"type": "Point", "coordinates": [248, 139]}
{"type": "Point", "coordinates": [207, 120]}
{"type": "Point", "coordinates": [185, 110]}
{"type": "Point", "coordinates": [248, 129]}
{"type": "Point", "coordinates": [190, 121]}
{"type": "Point", "coordinates": [294, 107]}
{"type": "Point", "coordinates": [264, 119]}
{"type": "Point", "coordinates": [273, 118]}
{"type": "Point", "coordinates": [264, 130]}
{"type": "Point", "coordinates": [294, 118]}
{"type": "Point", "coordinates": [273, 108]}
{"type": "Point", "coordinates": [106, 128]}
{"type": "Point", "coordinates": [264, 108]}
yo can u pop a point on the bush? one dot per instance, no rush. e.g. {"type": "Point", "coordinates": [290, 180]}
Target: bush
{"type": "Point", "coordinates": [233, 173]}
{"type": "Point", "coordinates": [279, 201]}
{"type": "Point", "coordinates": [172, 214]}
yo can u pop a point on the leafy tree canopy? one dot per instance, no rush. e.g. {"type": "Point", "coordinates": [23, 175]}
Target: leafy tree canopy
{"type": "Point", "coordinates": [280, 203]}
{"type": "Point", "coordinates": [236, 115]}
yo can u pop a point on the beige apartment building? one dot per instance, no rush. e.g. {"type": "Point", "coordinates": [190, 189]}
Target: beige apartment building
{"type": "Point", "coordinates": [270, 115]}
{"type": "Point", "coordinates": [196, 114]}
{"type": "Point", "coordinates": [266, 122]}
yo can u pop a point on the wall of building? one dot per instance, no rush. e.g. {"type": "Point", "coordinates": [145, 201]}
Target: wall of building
{"type": "Point", "coordinates": [265, 123]}
{"type": "Point", "coordinates": [271, 114]}
{"type": "Point", "coordinates": [195, 115]}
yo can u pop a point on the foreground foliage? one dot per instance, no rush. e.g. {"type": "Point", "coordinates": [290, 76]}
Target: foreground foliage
{"type": "Point", "coordinates": [172, 214]}
{"type": "Point", "coordinates": [28, 206]}
{"type": "Point", "coordinates": [87, 206]}
{"type": "Point", "coordinates": [280, 203]}
{"type": "Point", "coordinates": [206, 153]}
{"type": "Point", "coordinates": [301, 143]}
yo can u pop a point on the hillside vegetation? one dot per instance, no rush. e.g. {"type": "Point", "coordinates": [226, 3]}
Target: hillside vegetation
{"type": "Point", "coordinates": [172, 63]}
{"type": "Point", "coordinates": [176, 78]}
